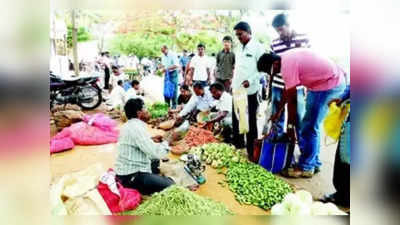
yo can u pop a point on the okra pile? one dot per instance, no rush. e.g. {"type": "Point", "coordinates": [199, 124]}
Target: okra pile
{"type": "Point", "coordinates": [253, 185]}
{"type": "Point", "coordinates": [178, 201]}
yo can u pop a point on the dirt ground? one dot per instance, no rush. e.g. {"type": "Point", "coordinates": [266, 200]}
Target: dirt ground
{"type": "Point", "coordinates": [82, 157]}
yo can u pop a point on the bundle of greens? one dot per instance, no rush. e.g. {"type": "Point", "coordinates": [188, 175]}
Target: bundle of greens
{"type": "Point", "coordinates": [178, 201]}
{"type": "Point", "coordinates": [158, 110]}
{"type": "Point", "coordinates": [253, 185]}
{"type": "Point", "coordinates": [219, 155]}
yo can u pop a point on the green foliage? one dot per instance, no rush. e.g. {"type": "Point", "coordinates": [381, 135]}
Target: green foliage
{"type": "Point", "coordinates": [146, 45]}
{"type": "Point", "coordinates": [140, 44]}
{"type": "Point", "coordinates": [82, 35]}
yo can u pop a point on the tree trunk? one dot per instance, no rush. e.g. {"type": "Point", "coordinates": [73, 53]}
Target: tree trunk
{"type": "Point", "coordinates": [75, 45]}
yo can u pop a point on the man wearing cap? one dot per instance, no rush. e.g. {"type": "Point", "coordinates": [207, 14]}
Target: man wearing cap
{"type": "Point", "coordinates": [246, 75]}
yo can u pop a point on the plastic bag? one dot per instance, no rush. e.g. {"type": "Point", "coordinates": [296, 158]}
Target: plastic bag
{"type": "Point", "coordinates": [334, 120]}
{"type": "Point", "coordinates": [60, 145]}
{"type": "Point", "coordinates": [175, 170]}
{"type": "Point", "coordinates": [169, 86]}
{"type": "Point", "coordinates": [184, 127]}
{"type": "Point", "coordinates": [241, 110]}
{"type": "Point", "coordinates": [74, 194]}
{"type": "Point", "coordinates": [117, 198]}
{"type": "Point", "coordinates": [130, 198]}
{"type": "Point", "coordinates": [84, 134]}
{"type": "Point", "coordinates": [101, 121]}
{"type": "Point", "coordinates": [345, 140]}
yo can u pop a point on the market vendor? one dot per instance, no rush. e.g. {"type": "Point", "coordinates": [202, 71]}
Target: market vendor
{"type": "Point", "coordinates": [135, 91]}
{"type": "Point", "coordinates": [117, 97]}
{"type": "Point", "coordinates": [183, 99]}
{"type": "Point", "coordinates": [202, 101]}
{"type": "Point", "coordinates": [325, 81]}
{"type": "Point", "coordinates": [137, 149]}
{"type": "Point", "coordinates": [223, 106]}
{"type": "Point", "coordinates": [116, 76]}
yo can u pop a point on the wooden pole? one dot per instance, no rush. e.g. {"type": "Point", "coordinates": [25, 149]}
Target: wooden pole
{"type": "Point", "coordinates": [75, 44]}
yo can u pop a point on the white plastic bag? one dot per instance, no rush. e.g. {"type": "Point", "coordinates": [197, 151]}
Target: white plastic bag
{"type": "Point", "coordinates": [76, 194]}
{"type": "Point", "coordinates": [241, 109]}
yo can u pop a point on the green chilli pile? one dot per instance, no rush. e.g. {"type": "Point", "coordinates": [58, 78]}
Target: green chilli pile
{"type": "Point", "coordinates": [219, 155]}
{"type": "Point", "coordinates": [158, 110]}
{"type": "Point", "coordinates": [253, 185]}
{"type": "Point", "coordinates": [178, 201]}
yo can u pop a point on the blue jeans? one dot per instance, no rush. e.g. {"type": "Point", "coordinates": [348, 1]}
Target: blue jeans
{"type": "Point", "coordinates": [276, 98]}
{"type": "Point", "coordinates": [316, 110]}
{"type": "Point", "coordinates": [173, 102]}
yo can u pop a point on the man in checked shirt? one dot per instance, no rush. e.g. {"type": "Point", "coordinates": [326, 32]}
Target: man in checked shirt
{"type": "Point", "coordinates": [288, 39]}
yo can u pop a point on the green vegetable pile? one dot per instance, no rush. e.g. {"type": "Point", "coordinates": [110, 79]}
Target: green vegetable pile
{"type": "Point", "coordinates": [178, 201]}
{"type": "Point", "coordinates": [158, 110]}
{"type": "Point", "coordinates": [219, 155]}
{"type": "Point", "coordinates": [253, 185]}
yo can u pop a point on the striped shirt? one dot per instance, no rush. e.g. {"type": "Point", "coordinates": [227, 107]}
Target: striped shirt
{"type": "Point", "coordinates": [136, 149]}
{"type": "Point", "coordinates": [280, 46]}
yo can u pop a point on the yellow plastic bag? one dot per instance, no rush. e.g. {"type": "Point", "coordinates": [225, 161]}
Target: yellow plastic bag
{"type": "Point", "coordinates": [334, 120]}
{"type": "Point", "coordinates": [241, 109]}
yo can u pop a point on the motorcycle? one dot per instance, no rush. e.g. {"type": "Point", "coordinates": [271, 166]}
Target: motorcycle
{"type": "Point", "coordinates": [82, 91]}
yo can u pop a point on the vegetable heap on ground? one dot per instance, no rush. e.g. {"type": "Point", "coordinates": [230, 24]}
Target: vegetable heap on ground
{"type": "Point", "coordinates": [219, 155]}
{"type": "Point", "coordinates": [301, 203]}
{"type": "Point", "coordinates": [252, 184]}
{"type": "Point", "coordinates": [158, 110]}
{"type": "Point", "coordinates": [178, 201]}
{"type": "Point", "coordinates": [198, 136]}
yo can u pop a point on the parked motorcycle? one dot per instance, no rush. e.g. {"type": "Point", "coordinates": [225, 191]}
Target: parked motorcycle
{"type": "Point", "coordinates": [82, 91]}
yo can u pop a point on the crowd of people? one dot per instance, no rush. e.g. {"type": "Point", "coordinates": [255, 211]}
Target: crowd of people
{"type": "Point", "coordinates": [301, 84]}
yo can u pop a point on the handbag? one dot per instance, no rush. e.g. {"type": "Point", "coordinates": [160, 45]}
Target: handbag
{"type": "Point", "coordinates": [276, 151]}
{"type": "Point", "coordinates": [169, 86]}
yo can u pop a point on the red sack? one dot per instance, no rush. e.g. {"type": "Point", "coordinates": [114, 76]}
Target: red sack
{"type": "Point", "coordinates": [61, 144]}
{"type": "Point", "coordinates": [111, 199]}
{"type": "Point", "coordinates": [130, 198]}
{"type": "Point", "coordinates": [120, 200]}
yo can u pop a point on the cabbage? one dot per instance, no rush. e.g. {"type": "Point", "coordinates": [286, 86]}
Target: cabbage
{"type": "Point", "coordinates": [293, 204]}
{"type": "Point", "coordinates": [279, 210]}
{"type": "Point", "coordinates": [318, 208]}
{"type": "Point", "coordinates": [305, 197]}
{"type": "Point", "coordinates": [332, 209]}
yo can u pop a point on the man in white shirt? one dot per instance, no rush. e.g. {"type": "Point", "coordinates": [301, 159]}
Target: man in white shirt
{"type": "Point", "coordinates": [200, 67]}
{"type": "Point", "coordinates": [135, 91]}
{"type": "Point", "coordinates": [223, 105]}
{"type": "Point", "coordinates": [246, 75]}
{"type": "Point", "coordinates": [117, 97]}
{"type": "Point", "coordinates": [202, 101]}
{"type": "Point", "coordinates": [116, 76]}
